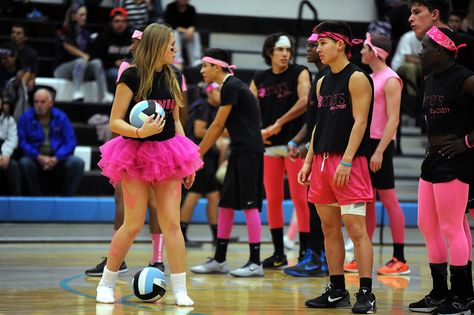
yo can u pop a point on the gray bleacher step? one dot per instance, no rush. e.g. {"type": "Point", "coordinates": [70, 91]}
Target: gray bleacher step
{"type": "Point", "coordinates": [407, 167]}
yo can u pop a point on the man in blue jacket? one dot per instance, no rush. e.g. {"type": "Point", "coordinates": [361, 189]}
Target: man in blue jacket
{"type": "Point", "coordinates": [47, 140]}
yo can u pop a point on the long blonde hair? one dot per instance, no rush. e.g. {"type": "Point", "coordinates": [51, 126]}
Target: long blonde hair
{"type": "Point", "coordinates": [151, 49]}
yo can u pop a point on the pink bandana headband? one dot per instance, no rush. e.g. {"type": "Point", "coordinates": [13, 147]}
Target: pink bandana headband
{"type": "Point", "coordinates": [379, 52]}
{"type": "Point", "coordinates": [336, 36]}
{"type": "Point", "coordinates": [444, 41]}
{"type": "Point", "coordinates": [218, 62]}
{"type": "Point", "coordinates": [137, 34]}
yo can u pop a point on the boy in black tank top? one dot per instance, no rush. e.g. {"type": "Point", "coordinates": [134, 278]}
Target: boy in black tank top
{"type": "Point", "coordinates": [336, 161]}
{"type": "Point", "coordinates": [282, 92]}
{"type": "Point", "coordinates": [242, 187]}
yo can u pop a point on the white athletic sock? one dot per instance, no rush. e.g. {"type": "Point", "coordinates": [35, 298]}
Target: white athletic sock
{"type": "Point", "coordinates": [105, 289]}
{"type": "Point", "coordinates": [178, 284]}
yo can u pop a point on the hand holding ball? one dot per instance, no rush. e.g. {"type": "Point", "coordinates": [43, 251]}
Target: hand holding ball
{"type": "Point", "coordinates": [148, 115]}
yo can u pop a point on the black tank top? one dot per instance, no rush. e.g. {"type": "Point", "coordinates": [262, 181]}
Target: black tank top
{"type": "Point", "coordinates": [447, 107]}
{"type": "Point", "coordinates": [334, 119]}
{"type": "Point", "coordinates": [277, 93]}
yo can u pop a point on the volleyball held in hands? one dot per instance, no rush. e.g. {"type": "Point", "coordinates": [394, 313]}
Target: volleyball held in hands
{"type": "Point", "coordinates": [149, 284]}
{"type": "Point", "coordinates": [144, 109]}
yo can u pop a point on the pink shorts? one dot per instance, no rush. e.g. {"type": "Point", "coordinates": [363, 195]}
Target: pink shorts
{"type": "Point", "coordinates": [321, 189]}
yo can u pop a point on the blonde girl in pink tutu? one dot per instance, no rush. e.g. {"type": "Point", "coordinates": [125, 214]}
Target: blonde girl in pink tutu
{"type": "Point", "coordinates": [155, 156]}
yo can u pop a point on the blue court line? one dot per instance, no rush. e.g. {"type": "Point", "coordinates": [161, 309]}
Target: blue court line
{"type": "Point", "coordinates": [64, 284]}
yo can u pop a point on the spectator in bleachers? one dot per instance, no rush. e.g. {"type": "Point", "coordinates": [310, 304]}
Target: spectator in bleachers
{"type": "Point", "coordinates": [138, 12]}
{"type": "Point", "coordinates": [9, 170]}
{"type": "Point", "coordinates": [112, 46]}
{"type": "Point", "coordinates": [455, 20]}
{"type": "Point", "coordinates": [182, 18]}
{"type": "Point", "coordinates": [72, 59]}
{"type": "Point", "coordinates": [11, 81]}
{"type": "Point", "coordinates": [27, 56]}
{"type": "Point", "coordinates": [47, 142]}
{"type": "Point", "coordinates": [406, 60]}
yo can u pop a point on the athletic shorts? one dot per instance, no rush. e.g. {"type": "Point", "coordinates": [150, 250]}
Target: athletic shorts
{"type": "Point", "coordinates": [439, 169]}
{"type": "Point", "coordinates": [323, 192]}
{"type": "Point", "coordinates": [243, 182]}
{"type": "Point", "coordinates": [384, 178]}
{"type": "Point", "coordinates": [205, 181]}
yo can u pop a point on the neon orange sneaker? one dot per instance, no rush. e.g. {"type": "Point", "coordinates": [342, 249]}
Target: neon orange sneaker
{"type": "Point", "coordinates": [351, 266]}
{"type": "Point", "coordinates": [394, 267]}
{"type": "Point", "coordinates": [399, 282]}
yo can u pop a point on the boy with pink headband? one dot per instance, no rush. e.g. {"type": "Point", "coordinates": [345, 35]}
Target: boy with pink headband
{"type": "Point", "coordinates": [282, 93]}
{"type": "Point", "coordinates": [242, 187]}
{"type": "Point", "coordinates": [445, 173]}
{"type": "Point", "coordinates": [336, 166]}
{"type": "Point", "coordinates": [383, 129]}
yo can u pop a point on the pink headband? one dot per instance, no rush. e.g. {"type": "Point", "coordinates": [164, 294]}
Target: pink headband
{"type": "Point", "coordinates": [379, 52]}
{"type": "Point", "coordinates": [337, 37]}
{"type": "Point", "coordinates": [444, 41]}
{"type": "Point", "coordinates": [218, 62]}
{"type": "Point", "coordinates": [137, 34]}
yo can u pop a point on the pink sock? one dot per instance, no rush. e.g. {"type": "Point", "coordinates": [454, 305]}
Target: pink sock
{"type": "Point", "coordinates": [225, 222]}
{"type": "Point", "coordinates": [157, 244]}
{"type": "Point", "coordinates": [293, 228]}
{"type": "Point", "coordinates": [254, 226]}
{"type": "Point", "coordinates": [389, 199]}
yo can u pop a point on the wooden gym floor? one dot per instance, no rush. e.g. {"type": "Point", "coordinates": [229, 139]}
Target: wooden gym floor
{"type": "Point", "coordinates": [48, 278]}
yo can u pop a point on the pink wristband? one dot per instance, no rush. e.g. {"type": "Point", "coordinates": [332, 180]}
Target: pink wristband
{"type": "Point", "coordinates": [466, 140]}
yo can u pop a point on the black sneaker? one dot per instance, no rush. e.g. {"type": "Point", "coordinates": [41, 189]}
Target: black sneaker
{"type": "Point", "coordinates": [332, 298]}
{"type": "Point", "coordinates": [453, 305]}
{"type": "Point", "coordinates": [310, 266]}
{"type": "Point", "coordinates": [426, 305]}
{"type": "Point", "coordinates": [98, 270]}
{"type": "Point", "coordinates": [158, 265]}
{"type": "Point", "coordinates": [470, 303]}
{"type": "Point", "coordinates": [365, 303]}
{"type": "Point", "coordinates": [275, 262]}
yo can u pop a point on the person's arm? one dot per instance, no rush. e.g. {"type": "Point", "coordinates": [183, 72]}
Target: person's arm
{"type": "Point", "coordinates": [10, 143]}
{"type": "Point", "coordinates": [76, 52]}
{"type": "Point", "coordinates": [25, 146]}
{"type": "Point", "coordinates": [304, 85]}
{"type": "Point", "coordinates": [117, 123]}
{"type": "Point", "coordinates": [452, 148]}
{"type": "Point", "coordinates": [215, 129]}
{"type": "Point", "coordinates": [393, 95]}
{"type": "Point", "coordinates": [178, 127]}
{"type": "Point", "coordinates": [361, 94]}
{"type": "Point", "coordinates": [200, 128]}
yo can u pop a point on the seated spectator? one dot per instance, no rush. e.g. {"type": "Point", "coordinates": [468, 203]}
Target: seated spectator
{"type": "Point", "coordinates": [11, 81]}
{"type": "Point", "coordinates": [72, 59]}
{"type": "Point", "coordinates": [47, 142]}
{"type": "Point", "coordinates": [112, 46]}
{"type": "Point", "coordinates": [27, 56]}
{"type": "Point", "coordinates": [10, 176]}
{"type": "Point", "coordinates": [138, 12]}
{"type": "Point", "coordinates": [182, 18]}
{"type": "Point", "coordinates": [406, 60]}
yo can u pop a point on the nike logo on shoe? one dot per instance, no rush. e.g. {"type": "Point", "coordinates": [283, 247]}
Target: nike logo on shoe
{"type": "Point", "coordinates": [309, 268]}
{"type": "Point", "coordinates": [277, 263]}
{"type": "Point", "coordinates": [331, 300]}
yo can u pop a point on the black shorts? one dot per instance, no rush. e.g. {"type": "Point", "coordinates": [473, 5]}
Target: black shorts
{"type": "Point", "coordinates": [205, 181]}
{"type": "Point", "coordinates": [383, 178]}
{"type": "Point", "coordinates": [439, 169]}
{"type": "Point", "coordinates": [243, 182]}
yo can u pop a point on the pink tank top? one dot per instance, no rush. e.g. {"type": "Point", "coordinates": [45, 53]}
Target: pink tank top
{"type": "Point", "coordinates": [379, 114]}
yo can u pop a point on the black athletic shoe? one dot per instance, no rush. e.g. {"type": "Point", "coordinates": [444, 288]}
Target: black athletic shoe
{"type": "Point", "coordinates": [426, 305]}
{"type": "Point", "coordinates": [470, 303]}
{"type": "Point", "coordinates": [365, 303]}
{"type": "Point", "coordinates": [98, 270]}
{"type": "Point", "coordinates": [275, 262]}
{"type": "Point", "coordinates": [310, 266]}
{"type": "Point", "coordinates": [158, 265]}
{"type": "Point", "coordinates": [453, 306]}
{"type": "Point", "coordinates": [332, 298]}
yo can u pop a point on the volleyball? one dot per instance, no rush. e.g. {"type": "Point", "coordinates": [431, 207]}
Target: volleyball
{"type": "Point", "coordinates": [149, 284]}
{"type": "Point", "coordinates": [144, 109]}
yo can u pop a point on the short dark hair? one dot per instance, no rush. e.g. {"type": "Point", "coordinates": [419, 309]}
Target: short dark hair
{"type": "Point", "coordinates": [219, 54]}
{"type": "Point", "coordinates": [441, 5]}
{"type": "Point", "coordinates": [382, 41]}
{"type": "Point", "coordinates": [335, 27]}
{"type": "Point", "coordinates": [23, 27]}
{"type": "Point", "coordinates": [269, 45]}
{"type": "Point", "coordinates": [450, 34]}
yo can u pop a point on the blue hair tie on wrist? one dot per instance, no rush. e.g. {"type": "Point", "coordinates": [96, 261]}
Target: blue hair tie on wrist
{"type": "Point", "coordinates": [292, 144]}
{"type": "Point", "coordinates": [345, 164]}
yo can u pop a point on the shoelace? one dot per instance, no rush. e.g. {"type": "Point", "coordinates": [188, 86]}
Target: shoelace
{"type": "Point", "coordinates": [391, 263]}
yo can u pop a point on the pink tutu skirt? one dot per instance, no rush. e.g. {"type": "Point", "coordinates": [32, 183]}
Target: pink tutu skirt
{"type": "Point", "coordinates": [149, 161]}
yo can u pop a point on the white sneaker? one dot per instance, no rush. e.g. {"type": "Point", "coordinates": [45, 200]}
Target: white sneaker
{"type": "Point", "coordinates": [289, 244]}
{"type": "Point", "coordinates": [250, 269]}
{"type": "Point", "coordinates": [105, 294]}
{"type": "Point", "coordinates": [211, 267]}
